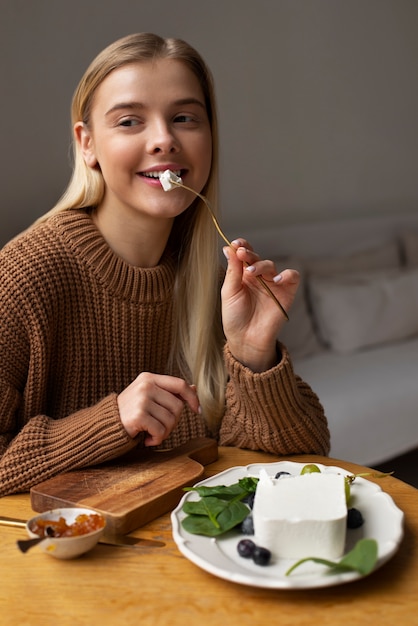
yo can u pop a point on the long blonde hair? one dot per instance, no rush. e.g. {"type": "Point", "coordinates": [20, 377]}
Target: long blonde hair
{"type": "Point", "coordinates": [198, 337]}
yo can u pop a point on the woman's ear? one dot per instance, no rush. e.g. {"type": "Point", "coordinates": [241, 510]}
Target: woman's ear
{"type": "Point", "coordinates": [85, 141]}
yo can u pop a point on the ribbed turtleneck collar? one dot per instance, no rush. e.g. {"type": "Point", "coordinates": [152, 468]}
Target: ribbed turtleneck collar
{"type": "Point", "coordinates": [79, 233]}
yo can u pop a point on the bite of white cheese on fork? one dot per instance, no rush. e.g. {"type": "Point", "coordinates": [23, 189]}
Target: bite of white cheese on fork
{"type": "Point", "coordinates": [168, 180]}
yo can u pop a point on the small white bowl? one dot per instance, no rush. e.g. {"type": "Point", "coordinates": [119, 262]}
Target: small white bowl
{"type": "Point", "coordinates": [66, 547]}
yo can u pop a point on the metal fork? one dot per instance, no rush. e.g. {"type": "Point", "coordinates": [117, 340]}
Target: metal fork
{"type": "Point", "coordinates": [225, 238]}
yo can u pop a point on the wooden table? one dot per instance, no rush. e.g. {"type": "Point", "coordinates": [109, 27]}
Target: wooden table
{"type": "Point", "coordinates": [158, 586]}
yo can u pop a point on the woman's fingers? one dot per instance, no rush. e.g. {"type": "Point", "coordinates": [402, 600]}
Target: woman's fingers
{"type": "Point", "coordinates": [153, 404]}
{"type": "Point", "coordinates": [255, 266]}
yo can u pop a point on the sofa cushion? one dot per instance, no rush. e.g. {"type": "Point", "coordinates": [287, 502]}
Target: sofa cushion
{"type": "Point", "coordinates": [381, 257]}
{"type": "Point", "coordinates": [354, 311]}
{"type": "Point", "coordinates": [298, 334]}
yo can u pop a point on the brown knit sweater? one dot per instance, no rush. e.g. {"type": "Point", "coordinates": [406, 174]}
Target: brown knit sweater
{"type": "Point", "coordinates": [78, 324]}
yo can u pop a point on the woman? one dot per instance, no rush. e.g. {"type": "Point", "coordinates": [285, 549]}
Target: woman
{"type": "Point", "coordinates": [114, 334]}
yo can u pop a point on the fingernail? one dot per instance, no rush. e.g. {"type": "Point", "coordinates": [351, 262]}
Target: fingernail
{"type": "Point", "coordinates": [225, 250]}
{"type": "Point", "coordinates": [250, 268]}
{"type": "Point", "coordinates": [277, 278]}
{"type": "Point", "coordinates": [236, 242]}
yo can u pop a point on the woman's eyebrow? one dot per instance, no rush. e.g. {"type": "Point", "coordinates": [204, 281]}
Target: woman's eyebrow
{"type": "Point", "coordinates": [124, 105]}
{"type": "Point", "coordinates": [139, 105]}
{"type": "Point", "coordinates": [190, 101]}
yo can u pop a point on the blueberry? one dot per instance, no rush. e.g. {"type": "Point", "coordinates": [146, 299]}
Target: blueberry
{"type": "Point", "coordinates": [279, 474]}
{"type": "Point", "coordinates": [354, 518]}
{"type": "Point", "coordinates": [247, 526]}
{"type": "Point", "coordinates": [261, 556]}
{"type": "Point", "coordinates": [250, 499]}
{"type": "Point", "coordinates": [246, 548]}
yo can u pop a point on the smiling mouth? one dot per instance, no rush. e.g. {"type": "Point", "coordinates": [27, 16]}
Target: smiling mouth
{"type": "Point", "coordinates": [156, 175]}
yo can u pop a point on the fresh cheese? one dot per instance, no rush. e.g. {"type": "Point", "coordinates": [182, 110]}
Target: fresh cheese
{"type": "Point", "coordinates": [301, 516]}
{"type": "Point", "coordinates": [168, 180]}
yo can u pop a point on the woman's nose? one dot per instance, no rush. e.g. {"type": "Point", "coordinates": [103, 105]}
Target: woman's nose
{"type": "Point", "coordinates": [162, 139]}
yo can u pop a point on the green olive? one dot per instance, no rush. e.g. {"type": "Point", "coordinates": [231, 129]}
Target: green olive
{"type": "Point", "coordinates": [347, 483]}
{"type": "Point", "coordinates": [311, 468]}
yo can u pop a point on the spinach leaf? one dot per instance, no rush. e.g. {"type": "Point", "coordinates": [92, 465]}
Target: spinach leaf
{"type": "Point", "coordinates": [219, 509]}
{"type": "Point", "coordinates": [362, 559]}
{"type": "Point", "coordinates": [232, 513]}
{"type": "Point", "coordinates": [243, 487]}
{"type": "Point", "coordinates": [200, 525]}
{"type": "Point", "coordinates": [248, 483]}
{"type": "Point", "coordinates": [220, 491]}
{"type": "Point", "coordinates": [209, 506]}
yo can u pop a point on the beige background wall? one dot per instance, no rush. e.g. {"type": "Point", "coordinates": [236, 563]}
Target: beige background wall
{"type": "Point", "coordinates": [318, 100]}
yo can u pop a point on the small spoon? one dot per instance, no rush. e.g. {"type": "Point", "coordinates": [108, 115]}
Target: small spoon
{"type": "Point", "coordinates": [26, 544]}
{"type": "Point", "coordinates": [120, 541]}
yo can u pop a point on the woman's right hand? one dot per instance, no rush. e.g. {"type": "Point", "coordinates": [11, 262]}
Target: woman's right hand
{"type": "Point", "coordinates": [153, 403]}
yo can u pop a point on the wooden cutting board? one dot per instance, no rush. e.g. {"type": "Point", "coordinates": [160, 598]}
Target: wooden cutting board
{"type": "Point", "coordinates": [131, 490]}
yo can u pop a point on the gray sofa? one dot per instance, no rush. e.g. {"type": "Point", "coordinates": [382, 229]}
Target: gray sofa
{"type": "Point", "coordinates": [353, 329]}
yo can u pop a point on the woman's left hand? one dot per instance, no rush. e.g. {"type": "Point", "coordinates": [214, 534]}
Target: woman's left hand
{"type": "Point", "coordinates": [251, 318]}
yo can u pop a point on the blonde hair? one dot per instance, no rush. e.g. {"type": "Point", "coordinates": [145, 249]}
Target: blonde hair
{"type": "Point", "coordinates": [198, 337]}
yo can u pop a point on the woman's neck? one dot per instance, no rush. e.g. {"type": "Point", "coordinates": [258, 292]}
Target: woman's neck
{"type": "Point", "coordinates": [139, 243]}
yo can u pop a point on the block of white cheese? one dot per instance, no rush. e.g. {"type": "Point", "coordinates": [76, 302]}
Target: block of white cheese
{"type": "Point", "coordinates": [301, 516]}
{"type": "Point", "coordinates": [168, 180]}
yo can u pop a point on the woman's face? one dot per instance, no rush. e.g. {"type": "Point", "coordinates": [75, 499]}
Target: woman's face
{"type": "Point", "coordinates": [147, 117]}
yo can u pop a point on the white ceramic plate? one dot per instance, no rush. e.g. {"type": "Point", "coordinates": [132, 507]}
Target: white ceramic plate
{"type": "Point", "coordinates": [219, 556]}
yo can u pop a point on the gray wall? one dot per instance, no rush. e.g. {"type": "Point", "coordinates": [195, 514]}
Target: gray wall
{"type": "Point", "coordinates": [318, 100]}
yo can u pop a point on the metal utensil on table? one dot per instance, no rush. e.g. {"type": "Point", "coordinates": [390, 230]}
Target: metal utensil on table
{"type": "Point", "coordinates": [120, 541]}
{"type": "Point", "coordinates": [26, 544]}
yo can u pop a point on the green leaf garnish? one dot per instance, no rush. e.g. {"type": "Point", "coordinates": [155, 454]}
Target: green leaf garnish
{"type": "Point", "coordinates": [362, 559]}
{"type": "Point", "coordinates": [219, 509]}
{"type": "Point", "coordinates": [352, 477]}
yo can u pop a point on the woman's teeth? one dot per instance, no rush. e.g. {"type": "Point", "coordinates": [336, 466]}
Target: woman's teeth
{"type": "Point", "coordinates": [158, 174]}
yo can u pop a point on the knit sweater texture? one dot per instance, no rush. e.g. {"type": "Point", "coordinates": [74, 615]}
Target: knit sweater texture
{"type": "Point", "coordinates": [78, 325]}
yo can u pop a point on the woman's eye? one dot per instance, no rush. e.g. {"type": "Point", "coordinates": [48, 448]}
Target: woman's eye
{"type": "Point", "coordinates": [184, 118]}
{"type": "Point", "coordinates": [128, 122]}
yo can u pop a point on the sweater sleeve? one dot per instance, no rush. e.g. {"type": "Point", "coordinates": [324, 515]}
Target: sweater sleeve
{"type": "Point", "coordinates": [45, 447]}
{"type": "Point", "coordinates": [35, 444]}
{"type": "Point", "coordinates": [274, 411]}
